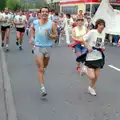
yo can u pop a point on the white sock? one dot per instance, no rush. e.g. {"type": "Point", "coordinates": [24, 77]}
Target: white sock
{"type": "Point", "coordinates": [42, 85]}
{"type": "Point", "coordinates": [7, 45]}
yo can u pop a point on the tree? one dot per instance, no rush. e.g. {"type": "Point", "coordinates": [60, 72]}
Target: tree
{"type": "Point", "coordinates": [40, 3]}
{"type": "Point", "coordinates": [2, 4]}
{"type": "Point", "coordinates": [11, 4]}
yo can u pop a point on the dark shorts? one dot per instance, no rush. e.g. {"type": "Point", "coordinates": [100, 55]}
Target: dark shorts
{"type": "Point", "coordinates": [4, 28]}
{"type": "Point", "coordinates": [95, 64]}
{"type": "Point", "coordinates": [22, 30]}
{"type": "Point", "coordinates": [80, 49]}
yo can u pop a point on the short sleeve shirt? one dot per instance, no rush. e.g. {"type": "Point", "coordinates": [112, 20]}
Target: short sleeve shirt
{"type": "Point", "coordinates": [95, 39]}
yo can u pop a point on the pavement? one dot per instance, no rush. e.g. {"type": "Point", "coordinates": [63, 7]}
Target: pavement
{"type": "Point", "coordinates": [7, 108]}
{"type": "Point", "coordinates": [67, 98]}
{"type": "Point", "coordinates": [2, 96]}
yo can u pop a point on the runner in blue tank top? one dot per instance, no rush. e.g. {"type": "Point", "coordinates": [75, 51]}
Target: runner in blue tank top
{"type": "Point", "coordinates": [45, 32]}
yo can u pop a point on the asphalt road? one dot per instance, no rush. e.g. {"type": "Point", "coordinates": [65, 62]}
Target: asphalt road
{"type": "Point", "coordinates": [67, 92]}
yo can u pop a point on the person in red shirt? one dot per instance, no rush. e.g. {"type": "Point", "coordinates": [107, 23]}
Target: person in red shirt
{"type": "Point", "coordinates": [74, 24]}
{"type": "Point", "coordinates": [28, 15]}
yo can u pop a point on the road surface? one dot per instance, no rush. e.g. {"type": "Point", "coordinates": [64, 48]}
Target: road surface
{"type": "Point", "coordinates": [67, 92]}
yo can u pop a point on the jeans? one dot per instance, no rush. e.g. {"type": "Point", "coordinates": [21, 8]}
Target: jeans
{"type": "Point", "coordinates": [116, 38]}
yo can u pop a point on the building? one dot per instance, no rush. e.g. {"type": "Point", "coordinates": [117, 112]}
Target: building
{"type": "Point", "coordinates": [89, 6]}
{"type": "Point", "coordinates": [54, 4]}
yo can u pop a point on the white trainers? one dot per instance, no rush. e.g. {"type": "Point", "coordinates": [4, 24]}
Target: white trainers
{"type": "Point", "coordinates": [114, 44]}
{"type": "Point", "coordinates": [91, 91]}
{"type": "Point", "coordinates": [7, 49]}
{"type": "Point", "coordinates": [43, 91]}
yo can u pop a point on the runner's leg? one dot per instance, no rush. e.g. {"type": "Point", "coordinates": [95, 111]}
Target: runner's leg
{"type": "Point", "coordinates": [46, 61]}
{"type": "Point", "coordinates": [91, 73]}
{"type": "Point", "coordinates": [2, 37]}
{"type": "Point", "coordinates": [17, 38]}
{"type": "Point", "coordinates": [21, 40]}
{"type": "Point", "coordinates": [42, 58]}
{"type": "Point", "coordinates": [7, 37]}
{"type": "Point", "coordinates": [40, 66]}
{"type": "Point", "coordinates": [78, 53]}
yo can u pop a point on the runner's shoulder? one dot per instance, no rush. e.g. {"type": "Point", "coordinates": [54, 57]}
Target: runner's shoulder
{"type": "Point", "coordinates": [93, 31]}
{"type": "Point", "coordinates": [16, 16]}
{"type": "Point", "coordinates": [35, 21]}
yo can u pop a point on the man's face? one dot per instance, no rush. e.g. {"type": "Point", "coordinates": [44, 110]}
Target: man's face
{"type": "Point", "coordinates": [21, 13]}
{"type": "Point", "coordinates": [44, 13]}
{"type": "Point", "coordinates": [6, 10]}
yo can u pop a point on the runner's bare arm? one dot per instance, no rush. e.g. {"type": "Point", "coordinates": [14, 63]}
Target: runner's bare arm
{"type": "Point", "coordinates": [3, 20]}
{"type": "Point", "coordinates": [54, 34]}
{"type": "Point", "coordinates": [32, 31]}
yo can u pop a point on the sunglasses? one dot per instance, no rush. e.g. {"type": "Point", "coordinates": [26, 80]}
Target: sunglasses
{"type": "Point", "coordinates": [80, 20]}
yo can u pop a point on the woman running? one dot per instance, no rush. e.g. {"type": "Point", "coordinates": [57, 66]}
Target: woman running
{"type": "Point", "coordinates": [94, 59]}
{"type": "Point", "coordinates": [78, 32]}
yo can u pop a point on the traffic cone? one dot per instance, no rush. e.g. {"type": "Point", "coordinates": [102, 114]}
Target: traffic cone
{"type": "Point", "coordinates": [119, 42]}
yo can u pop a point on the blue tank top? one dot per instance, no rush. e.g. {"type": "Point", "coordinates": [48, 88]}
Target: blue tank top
{"type": "Point", "coordinates": [41, 39]}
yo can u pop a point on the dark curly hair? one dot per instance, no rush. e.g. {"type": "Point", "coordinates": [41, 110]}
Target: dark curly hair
{"type": "Point", "coordinates": [98, 22]}
{"type": "Point", "coordinates": [42, 8]}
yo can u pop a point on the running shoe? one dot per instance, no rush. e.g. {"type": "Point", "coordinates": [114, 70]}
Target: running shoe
{"type": "Point", "coordinates": [7, 49]}
{"type": "Point", "coordinates": [2, 45]}
{"type": "Point", "coordinates": [32, 51]}
{"type": "Point", "coordinates": [73, 50]}
{"type": "Point", "coordinates": [43, 91]}
{"type": "Point", "coordinates": [91, 91]}
{"type": "Point", "coordinates": [115, 44]}
{"type": "Point", "coordinates": [17, 43]}
{"type": "Point", "coordinates": [20, 48]}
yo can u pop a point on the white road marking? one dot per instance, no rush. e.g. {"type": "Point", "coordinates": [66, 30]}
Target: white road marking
{"type": "Point", "coordinates": [115, 68]}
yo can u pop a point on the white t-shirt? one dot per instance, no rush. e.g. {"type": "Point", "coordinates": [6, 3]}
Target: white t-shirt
{"type": "Point", "coordinates": [50, 17]}
{"type": "Point", "coordinates": [7, 17]}
{"type": "Point", "coordinates": [68, 23]}
{"type": "Point", "coordinates": [20, 19]}
{"type": "Point", "coordinates": [94, 39]}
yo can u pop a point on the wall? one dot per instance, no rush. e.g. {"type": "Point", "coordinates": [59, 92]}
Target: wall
{"type": "Point", "coordinates": [81, 6]}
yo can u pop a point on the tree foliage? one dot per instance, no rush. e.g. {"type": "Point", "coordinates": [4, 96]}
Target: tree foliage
{"type": "Point", "coordinates": [12, 4]}
{"type": "Point", "coordinates": [21, 4]}
{"type": "Point", "coordinates": [2, 4]}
